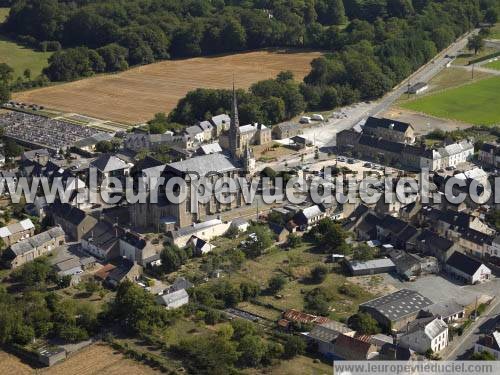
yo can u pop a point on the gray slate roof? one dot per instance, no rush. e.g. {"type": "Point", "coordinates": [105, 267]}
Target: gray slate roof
{"type": "Point", "coordinates": [204, 165]}
{"type": "Point", "coordinates": [399, 304]}
{"type": "Point", "coordinates": [36, 241]}
{"type": "Point", "coordinates": [108, 163]}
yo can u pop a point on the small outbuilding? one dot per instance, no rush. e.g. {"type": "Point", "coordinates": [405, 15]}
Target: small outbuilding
{"type": "Point", "coordinates": [370, 267]}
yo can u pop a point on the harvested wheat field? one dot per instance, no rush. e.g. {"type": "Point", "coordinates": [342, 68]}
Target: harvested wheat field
{"type": "Point", "coordinates": [96, 359]}
{"type": "Point", "coordinates": [10, 364]}
{"type": "Point", "coordinates": [99, 359]}
{"type": "Point", "coordinates": [134, 96]}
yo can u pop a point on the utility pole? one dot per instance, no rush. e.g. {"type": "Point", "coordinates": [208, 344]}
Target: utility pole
{"type": "Point", "coordinates": [408, 90]}
{"type": "Point", "coordinates": [473, 70]}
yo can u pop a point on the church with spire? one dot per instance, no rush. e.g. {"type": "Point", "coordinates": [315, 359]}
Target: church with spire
{"type": "Point", "coordinates": [238, 141]}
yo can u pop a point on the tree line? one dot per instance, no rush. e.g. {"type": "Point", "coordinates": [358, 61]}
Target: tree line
{"type": "Point", "coordinates": [372, 54]}
{"type": "Point", "coordinates": [112, 35]}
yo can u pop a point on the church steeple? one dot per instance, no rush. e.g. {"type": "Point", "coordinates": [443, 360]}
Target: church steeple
{"type": "Point", "coordinates": [234, 130]}
{"type": "Point", "coordinates": [235, 121]}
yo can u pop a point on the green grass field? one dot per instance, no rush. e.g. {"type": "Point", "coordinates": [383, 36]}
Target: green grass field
{"type": "Point", "coordinates": [495, 32]}
{"type": "Point", "coordinates": [476, 103]}
{"type": "Point", "coordinates": [19, 57]}
{"type": "Point", "coordinates": [493, 65]}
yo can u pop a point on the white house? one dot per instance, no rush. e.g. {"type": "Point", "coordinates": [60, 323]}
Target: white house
{"type": "Point", "coordinates": [494, 248]}
{"type": "Point", "coordinates": [467, 269]}
{"type": "Point", "coordinates": [456, 153]}
{"type": "Point", "coordinates": [309, 217]}
{"type": "Point", "coordinates": [424, 334]}
{"type": "Point", "coordinates": [206, 230]}
{"type": "Point", "coordinates": [173, 300]}
{"type": "Point", "coordinates": [489, 343]}
{"type": "Point", "coordinates": [240, 224]}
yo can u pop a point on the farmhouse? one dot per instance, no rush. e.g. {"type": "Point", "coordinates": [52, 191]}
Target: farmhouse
{"type": "Point", "coordinates": [286, 130]}
{"type": "Point", "coordinates": [17, 232]}
{"type": "Point", "coordinates": [395, 310]}
{"type": "Point", "coordinates": [206, 231]}
{"type": "Point", "coordinates": [173, 300]}
{"type": "Point", "coordinates": [75, 222]}
{"type": "Point", "coordinates": [136, 248]}
{"type": "Point", "coordinates": [31, 248]}
{"type": "Point", "coordinates": [109, 166]}
{"type": "Point", "coordinates": [102, 241]}
{"type": "Point", "coordinates": [467, 269]}
{"type": "Point", "coordinates": [308, 217]}
{"type": "Point", "coordinates": [448, 311]}
{"type": "Point", "coordinates": [324, 336]}
{"type": "Point", "coordinates": [389, 129]}
{"type": "Point", "coordinates": [424, 334]}
{"type": "Point", "coordinates": [88, 144]}
{"type": "Point", "coordinates": [354, 348]}
{"type": "Point", "coordinates": [489, 154]}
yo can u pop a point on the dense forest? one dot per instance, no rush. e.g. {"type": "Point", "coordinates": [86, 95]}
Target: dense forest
{"type": "Point", "coordinates": [371, 44]}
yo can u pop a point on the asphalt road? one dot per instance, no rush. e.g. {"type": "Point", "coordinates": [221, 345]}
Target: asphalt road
{"type": "Point", "coordinates": [463, 346]}
{"type": "Point", "coordinates": [324, 135]}
{"type": "Point", "coordinates": [424, 74]}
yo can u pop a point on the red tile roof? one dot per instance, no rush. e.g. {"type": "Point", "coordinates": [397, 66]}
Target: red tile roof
{"type": "Point", "coordinates": [299, 316]}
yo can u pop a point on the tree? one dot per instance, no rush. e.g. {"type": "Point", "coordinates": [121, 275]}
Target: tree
{"type": "Point", "coordinates": [114, 56]}
{"type": "Point", "coordinates": [208, 354]}
{"type": "Point", "coordinates": [92, 286]}
{"type": "Point", "coordinates": [242, 328]}
{"type": "Point", "coordinates": [27, 74]}
{"type": "Point", "coordinates": [170, 259]}
{"type": "Point", "coordinates": [276, 284]}
{"type": "Point", "coordinates": [35, 273]}
{"type": "Point", "coordinates": [317, 301]}
{"type": "Point", "coordinates": [6, 73]}
{"type": "Point", "coordinates": [260, 241]}
{"type": "Point", "coordinates": [294, 240]}
{"type": "Point", "coordinates": [294, 346]}
{"type": "Point", "coordinates": [363, 252]}
{"type": "Point", "coordinates": [364, 323]}
{"type": "Point", "coordinates": [268, 172]}
{"type": "Point", "coordinates": [249, 290]}
{"type": "Point", "coordinates": [475, 43]}
{"type": "Point", "coordinates": [4, 93]}
{"type": "Point", "coordinates": [104, 146]}
{"type": "Point", "coordinates": [330, 236]}
{"type": "Point", "coordinates": [318, 274]}
{"type": "Point", "coordinates": [233, 36]}
{"type": "Point", "coordinates": [252, 350]}
{"type": "Point", "coordinates": [491, 15]}
{"type": "Point", "coordinates": [483, 356]}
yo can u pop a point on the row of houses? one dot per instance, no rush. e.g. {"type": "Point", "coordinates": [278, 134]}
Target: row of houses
{"type": "Point", "coordinates": [393, 142]}
{"type": "Point", "coordinates": [416, 252]}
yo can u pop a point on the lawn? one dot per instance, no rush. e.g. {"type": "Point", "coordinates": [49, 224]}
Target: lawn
{"type": "Point", "coordinates": [493, 65]}
{"type": "Point", "coordinates": [475, 103]}
{"type": "Point", "coordinates": [18, 57]}
{"type": "Point", "coordinates": [495, 32]}
{"type": "Point", "coordinates": [297, 264]}
{"type": "Point", "coordinates": [21, 58]}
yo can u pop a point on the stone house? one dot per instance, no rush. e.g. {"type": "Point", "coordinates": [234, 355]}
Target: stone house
{"type": "Point", "coordinates": [16, 232]}
{"type": "Point", "coordinates": [33, 247]}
